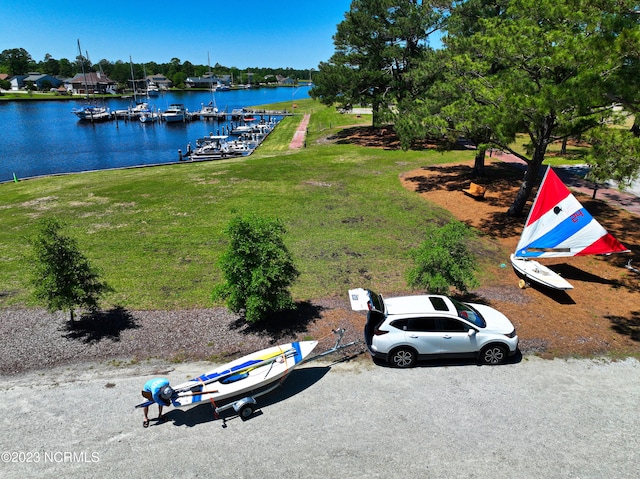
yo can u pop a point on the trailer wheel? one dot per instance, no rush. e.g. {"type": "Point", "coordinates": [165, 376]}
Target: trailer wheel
{"type": "Point", "coordinates": [246, 411]}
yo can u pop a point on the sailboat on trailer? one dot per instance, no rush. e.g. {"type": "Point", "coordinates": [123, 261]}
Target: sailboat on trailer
{"type": "Point", "coordinates": [558, 226]}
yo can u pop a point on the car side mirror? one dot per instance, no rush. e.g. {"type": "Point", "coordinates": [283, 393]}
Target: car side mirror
{"type": "Point", "coordinates": [471, 333]}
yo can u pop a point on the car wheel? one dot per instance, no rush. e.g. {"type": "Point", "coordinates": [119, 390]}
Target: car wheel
{"type": "Point", "coordinates": [403, 358]}
{"type": "Point", "coordinates": [493, 354]}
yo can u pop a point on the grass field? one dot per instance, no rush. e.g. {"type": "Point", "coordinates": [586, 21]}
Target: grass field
{"type": "Point", "coordinates": [157, 233]}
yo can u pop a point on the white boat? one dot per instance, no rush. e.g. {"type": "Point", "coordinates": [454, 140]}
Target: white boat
{"type": "Point", "coordinates": [175, 113]}
{"type": "Point", "coordinates": [241, 129]}
{"type": "Point", "coordinates": [152, 90]}
{"type": "Point", "coordinates": [134, 111]}
{"type": "Point", "coordinates": [149, 116]}
{"type": "Point", "coordinates": [243, 375]}
{"type": "Point", "coordinates": [210, 111]}
{"type": "Point", "coordinates": [93, 113]}
{"type": "Point", "coordinates": [558, 226]}
{"type": "Point", "coordinates": [212, 147]}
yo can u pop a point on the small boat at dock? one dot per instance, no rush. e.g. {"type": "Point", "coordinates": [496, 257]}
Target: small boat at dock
{"type": "Point", "coordinates": [175, 113]}
{"type": "Point", "coordinates": [93, 113]}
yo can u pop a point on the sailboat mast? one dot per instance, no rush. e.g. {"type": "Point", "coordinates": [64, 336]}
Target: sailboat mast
{"type": "Point", "coordinates": [84, 73]}
{"type": "Point", "coordinates": [133, 81]}
{"type": "Point", "coordinates": [213, 99]}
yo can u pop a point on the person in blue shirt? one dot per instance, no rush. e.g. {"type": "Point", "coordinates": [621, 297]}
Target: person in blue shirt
{"type": "Point", "coordinates": [158, 391]}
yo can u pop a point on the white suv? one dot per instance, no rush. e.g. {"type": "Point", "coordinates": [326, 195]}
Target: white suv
{"type": "Point", "coordinates": [405, 329]}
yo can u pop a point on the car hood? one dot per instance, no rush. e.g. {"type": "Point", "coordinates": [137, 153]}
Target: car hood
{"type": "Point", "coordinates": [496, 321]}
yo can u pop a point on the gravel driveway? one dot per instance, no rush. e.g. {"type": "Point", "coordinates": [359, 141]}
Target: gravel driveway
{"type": "Point", "coordinates": [531, 419]}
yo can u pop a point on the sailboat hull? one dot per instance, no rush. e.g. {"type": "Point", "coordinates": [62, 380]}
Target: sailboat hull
{"type": "Point", "coordinates": [244, 375]}
{"type": "Point", "coordinates": [540, 274]}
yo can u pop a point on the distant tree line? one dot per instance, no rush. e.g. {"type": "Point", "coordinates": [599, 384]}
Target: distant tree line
{"type": "Point", "coordinates": [18, 61]}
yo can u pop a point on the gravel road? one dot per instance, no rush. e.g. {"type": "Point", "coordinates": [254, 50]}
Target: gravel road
{"type": "Point", "coordinates": [533, 418]}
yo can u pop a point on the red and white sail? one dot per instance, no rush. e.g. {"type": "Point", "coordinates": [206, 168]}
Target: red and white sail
{"type": "Point", "coordinates": [558, 225]}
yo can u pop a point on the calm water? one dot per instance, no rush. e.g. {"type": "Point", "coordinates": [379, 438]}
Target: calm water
{"type": "Point", "coordinates": [44, 138]}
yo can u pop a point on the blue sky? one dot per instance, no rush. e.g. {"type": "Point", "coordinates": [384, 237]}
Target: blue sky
{"type": "Point", "coordinates": [251, 33]}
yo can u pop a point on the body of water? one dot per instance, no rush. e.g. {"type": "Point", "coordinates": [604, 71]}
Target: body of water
{"type": "Point", "coordinates": [45, 137]}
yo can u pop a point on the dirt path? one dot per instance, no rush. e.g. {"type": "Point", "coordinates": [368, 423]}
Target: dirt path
{"type": "Point", "coordinates": [300, 135]}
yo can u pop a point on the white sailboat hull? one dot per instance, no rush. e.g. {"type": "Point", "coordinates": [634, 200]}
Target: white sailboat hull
{"type": "Point", "coordinates": [534, 271]}
{"type": "Point", "coordinates": [243, 375]}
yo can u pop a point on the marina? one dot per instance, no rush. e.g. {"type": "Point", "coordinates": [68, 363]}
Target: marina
{"type": "Point", "coordinates": [49, 138]}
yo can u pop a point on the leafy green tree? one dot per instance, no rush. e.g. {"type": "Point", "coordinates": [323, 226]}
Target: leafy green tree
{"type": "Point", "coordinates": [443, 107]}
{"type": "Point", "coordinates": [543, 67]}
{"type": "Point", "coordinates": [178, 79]}
{"type": "Point", "coordinates": [376, 45]}
{"type": "Point", "coordinates": [17, 60]}
{"type": "Point", "coordinates": [62, 278]}
{"type": "Point", "coordinates": [50, 66]}
{"type": "Point", "coordinates": [614, 155]}
{"type": "Point", "coordinates": [257, 267]}
{"type": "Point", "coordinates": [66, 68]}
{"type": "Point", "coordinates": [444, 260]}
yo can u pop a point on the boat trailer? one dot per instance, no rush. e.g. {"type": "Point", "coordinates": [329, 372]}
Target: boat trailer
{"type": "Point", "coordinates": [247, 405]}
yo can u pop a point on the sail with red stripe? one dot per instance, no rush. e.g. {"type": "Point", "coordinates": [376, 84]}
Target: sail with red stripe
{"type": "Point", "coordinates": [558, 225]}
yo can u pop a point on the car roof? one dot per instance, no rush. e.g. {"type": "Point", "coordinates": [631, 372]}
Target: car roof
{"type": "Point", "coordinates": [426, 303]}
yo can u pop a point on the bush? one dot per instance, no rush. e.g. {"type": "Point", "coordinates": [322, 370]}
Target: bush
{"type": "Point", "coordinates": [443, 260]}
{"type": "Point", "coordinates": [257, 267]}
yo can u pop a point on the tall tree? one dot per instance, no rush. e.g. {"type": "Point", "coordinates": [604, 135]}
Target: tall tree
{"type": "Point", "coordinates": [444, 106]}
{"type": "Point", "coordinates": [543, 67]}
{"type": "Point", "coordinates": [376, 45]}
{"type": "Point", "coordinates": [16, 60]}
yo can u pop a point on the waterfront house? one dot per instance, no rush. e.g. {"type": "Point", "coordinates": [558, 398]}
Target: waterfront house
{"type": "Point", "coordinates": [17, 82]}
{"type": "Point", "coordinates": [42, 81]}
{"type": "Point", "coordinates": [284, 80]}
{"type": "Point", "coordinates": [159, 80]}
{"type": "Point", "coordinates": [95, 82]}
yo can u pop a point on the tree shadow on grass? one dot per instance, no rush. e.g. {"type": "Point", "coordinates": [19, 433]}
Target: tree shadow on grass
{"type": "Point", "coordinates": [283, 324]}
{"type": "Point", "coordinates": [628, 326]}
{"type": "Point", "coordinates": [98, 325]}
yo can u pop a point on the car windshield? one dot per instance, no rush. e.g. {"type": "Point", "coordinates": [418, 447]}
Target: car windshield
{"type": "Point", "coordinates": [466, 311]}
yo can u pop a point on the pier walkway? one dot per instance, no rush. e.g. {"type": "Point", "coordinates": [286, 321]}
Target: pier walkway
{"type": "Point", "coordinates": [300, 135]}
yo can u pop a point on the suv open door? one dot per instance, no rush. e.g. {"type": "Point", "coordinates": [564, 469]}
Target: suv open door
{"type": "Point", "coordinates": [360, 299]}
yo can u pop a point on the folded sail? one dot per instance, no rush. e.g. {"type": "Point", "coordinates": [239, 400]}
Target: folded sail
{"type": "Point", "coordinates": [558, 225]}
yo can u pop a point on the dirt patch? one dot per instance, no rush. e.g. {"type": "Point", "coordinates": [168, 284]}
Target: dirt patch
{"type": "Point", "coordinates": [601, 315]}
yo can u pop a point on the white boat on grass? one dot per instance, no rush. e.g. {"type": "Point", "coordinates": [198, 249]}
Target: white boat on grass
{"type": "Point", "coordinates": [558, 226]}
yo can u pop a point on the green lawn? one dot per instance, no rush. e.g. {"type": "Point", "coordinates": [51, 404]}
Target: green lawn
{"type": "Point", "coordinates": [156, 233]}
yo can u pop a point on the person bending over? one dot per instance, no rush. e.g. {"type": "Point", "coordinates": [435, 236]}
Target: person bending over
{"type": "Point", "coordinates": [158, 391]}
